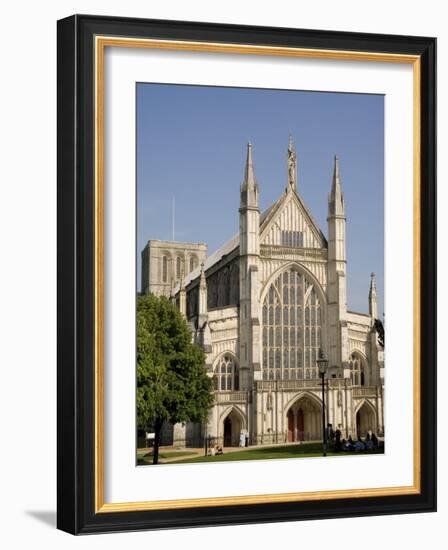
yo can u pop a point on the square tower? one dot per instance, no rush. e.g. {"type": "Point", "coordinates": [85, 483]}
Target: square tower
{"type": "Point", "coordinates": [165, 262]}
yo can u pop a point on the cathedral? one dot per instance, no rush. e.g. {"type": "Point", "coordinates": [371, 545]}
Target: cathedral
{"type": "Point", "coordinates": [263, 307]}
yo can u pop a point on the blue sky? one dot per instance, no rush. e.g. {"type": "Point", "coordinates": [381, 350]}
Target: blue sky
{"type": "Point", "coordinates": [191, 145]}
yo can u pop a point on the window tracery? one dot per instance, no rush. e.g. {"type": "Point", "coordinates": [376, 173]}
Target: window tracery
{"type": "Point", "coordinates": [226, 377]}
{"type": "Point", "coordinates": [356, 365]}
{"type": "Point", "coordinates": [292, 325]}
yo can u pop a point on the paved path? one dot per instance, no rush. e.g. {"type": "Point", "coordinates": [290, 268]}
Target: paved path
{"type": "Point", "coordinates": [199, 451]}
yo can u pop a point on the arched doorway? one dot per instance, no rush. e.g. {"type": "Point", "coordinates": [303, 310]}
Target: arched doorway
{"type": "Point", "coordinates": [232, 426]}
{"type": "Point", "coordinates": [304, 420]}
{"type": "Point", "coordinates": [365, 419]}
{"type": "Point", "coordinates": [228, 432]}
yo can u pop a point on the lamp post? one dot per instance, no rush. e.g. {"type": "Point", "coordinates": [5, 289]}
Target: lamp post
{"type": "Point", "coordinates": [322, 363]}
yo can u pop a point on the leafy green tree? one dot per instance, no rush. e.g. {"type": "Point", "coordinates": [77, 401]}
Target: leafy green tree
{"type": "Point", "coordinates": [172, 383]}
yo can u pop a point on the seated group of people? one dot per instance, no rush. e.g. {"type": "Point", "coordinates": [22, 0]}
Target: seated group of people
{"type": "Point", "coordinates": [335, 440]}
{"type": "Point", "coordinates": [217, 450]}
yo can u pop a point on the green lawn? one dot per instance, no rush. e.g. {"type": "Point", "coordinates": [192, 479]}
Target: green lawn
{"type": "Point", "coordinates": [146, 458]}
{"type": "Point", "coordinates": [304, 450]}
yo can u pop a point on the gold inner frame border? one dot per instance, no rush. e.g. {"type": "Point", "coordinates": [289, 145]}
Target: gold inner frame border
{"type": "Point", "coordinates": [101, 42]}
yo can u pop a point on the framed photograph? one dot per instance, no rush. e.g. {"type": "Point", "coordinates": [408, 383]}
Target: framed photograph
{"type": "Point", "coordinates": [246, 274]}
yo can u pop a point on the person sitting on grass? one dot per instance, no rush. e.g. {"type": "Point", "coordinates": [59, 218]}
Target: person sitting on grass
{"type": "Point", "coordinates": [374, 440]}
{"type": "Point", "coordinates": [359, 446]}
{"type": "Point", "coordinates": [368, 442]}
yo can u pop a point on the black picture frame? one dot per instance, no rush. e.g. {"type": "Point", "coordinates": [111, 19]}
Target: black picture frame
{"type": "Point", "coordinates": [76, 286]}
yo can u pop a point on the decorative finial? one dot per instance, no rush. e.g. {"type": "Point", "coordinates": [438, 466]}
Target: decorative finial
{"type": "Point", "coordinates": [292, 165]}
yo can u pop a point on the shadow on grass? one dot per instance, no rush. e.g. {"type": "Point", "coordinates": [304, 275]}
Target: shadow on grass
{"type": "Point", "coordinates": [305, 450]}
{"type": "Point", "coordinates": [146, 458]}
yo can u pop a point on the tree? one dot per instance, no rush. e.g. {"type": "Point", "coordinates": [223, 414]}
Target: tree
{"type": "Point", "coordinates": [380, 331]}
{"type": "Point", "coordinates": [172, 382]}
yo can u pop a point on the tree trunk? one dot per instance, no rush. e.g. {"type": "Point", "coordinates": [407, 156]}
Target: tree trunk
{"type": "Point", "coordinates": [157, 434]}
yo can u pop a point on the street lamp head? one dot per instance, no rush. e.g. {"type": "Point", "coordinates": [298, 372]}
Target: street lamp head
{"type": "Point", "coordinates": [322, 362]}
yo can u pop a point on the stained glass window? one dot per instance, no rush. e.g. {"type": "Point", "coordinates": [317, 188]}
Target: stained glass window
{"type": "Point", "coordinates": [291, 339]}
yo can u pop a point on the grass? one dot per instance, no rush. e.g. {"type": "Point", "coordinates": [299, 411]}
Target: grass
{"type": "Point", "coordinates": [305, 450]}
{"type": "Point", "coordinates": [146, 458]}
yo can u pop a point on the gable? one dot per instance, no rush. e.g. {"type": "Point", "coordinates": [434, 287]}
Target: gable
{"type": "Point", "coordinates": [289, 223]}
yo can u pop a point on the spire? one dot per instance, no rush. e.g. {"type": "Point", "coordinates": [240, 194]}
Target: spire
{"type": "Point", "coordinates": [292, 166]}
{"type": "Point", "coordinates": [372, 282]}
{"type": "Point", "coordinates": [373, 306]}
{"type": "Point", "coordinates": [249, 173]}
{"type": "Point", "coordinates": [336, 173]}
{"type": "Point", "coordinates": [249, 187]}
{"type": "Point", "coordinates": [336, 198]}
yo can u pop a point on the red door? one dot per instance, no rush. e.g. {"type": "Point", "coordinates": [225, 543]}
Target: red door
{"type": "Point", "coordinates": [290, 426]}
{"type": "Point", "coordinates": [300, 425]}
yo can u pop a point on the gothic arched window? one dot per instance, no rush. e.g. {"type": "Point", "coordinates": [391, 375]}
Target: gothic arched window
{"type": "Point", "coordinates": [212, 291]}
{"type": "Point", "coordinates": [223, 287]}
{"type": "Point", "coordinates": [292, 321]}
{"type": "Point", "coordinates": [234, 297]}
{"type": "Point", "coordinates": [356, 365]}
{"type": "Point", "coordinates": [178, 267]}
{"type": "Point", "coordinates": [226, 375]}
{"type": "Point", "coordinates": [164, 269]}
{"type": "Point", "coordinates": [193, 263]}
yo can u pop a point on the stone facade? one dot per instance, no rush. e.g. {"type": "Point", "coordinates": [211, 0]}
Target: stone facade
{"type": "Point", "coordinates": [262, 307]}
{"type": "Point", "coordinates": [165, 262]}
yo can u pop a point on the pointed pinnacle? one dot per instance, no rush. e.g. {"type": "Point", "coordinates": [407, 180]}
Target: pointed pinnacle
{"type": "Point", "coordinates": [336, 172]}
{"type": "Point", "coordinates": [336, 198]}
{"type": "Point", "coordinates": [249, 173]}
{"type": "Point", "coordinates": [202, 279]}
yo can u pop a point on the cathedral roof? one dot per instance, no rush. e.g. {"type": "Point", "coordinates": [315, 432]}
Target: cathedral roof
{"type": "Point", "coordinates": [266, 213]}
{"type": "Point", "coordinates": [228, 247]}
{"type": "Point", "coordinates": [211, 260]}
{"type": "Point", "coordinates": [233, 243]}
